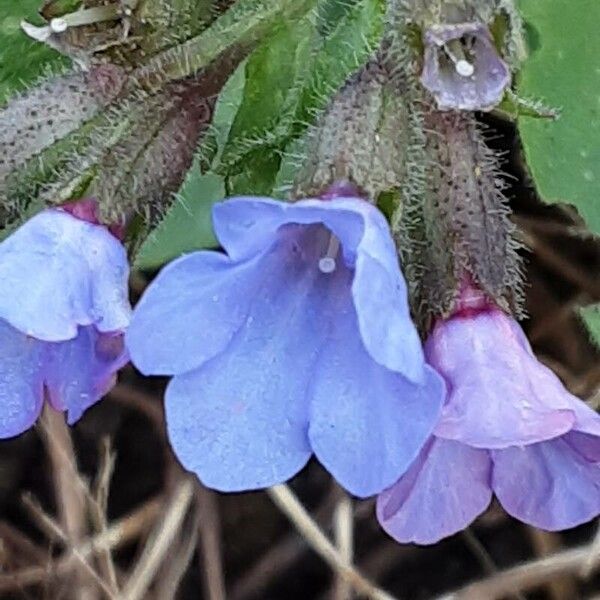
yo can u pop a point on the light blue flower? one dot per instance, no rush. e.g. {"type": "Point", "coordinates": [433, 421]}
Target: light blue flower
{"type": "Point", "coordinates": [296, 340]}
{"type": "Point", "coordinates": [63, 310]}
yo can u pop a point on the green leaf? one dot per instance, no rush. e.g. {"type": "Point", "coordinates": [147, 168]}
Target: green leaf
{"type": "Point", "coordinates": [331, 12]}
{"type": "Point", "coordinates": [187, 226]}
{"type": "Point", "coordinates": [258, 175]}
{"type": "Point", "coordinates": [230, 99]}
{"type": "Point", "coordinates": [360, 30]}
{"type": "Point", "coordinates": [562, 71]}
{"type": "Point", "coordinates": [263, 109]}
{"type": "Point", "coordinates": [274, 74]}
{"type": "Point", "coordinates": [22, 60]}
{"type": "Point", "coordinates": [348, 47]}
{"type": "Point", "coordinates": [289, 79]}
{"type": "Point", "coordinates": [242, 26]}
{"type": "Point", "coordinates": [591, 317]}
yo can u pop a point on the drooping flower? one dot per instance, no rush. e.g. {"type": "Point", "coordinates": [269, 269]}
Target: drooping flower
{"type": "Point", "coordinates": [63, 310]}
{"type": "Point", "coordinates": [297, 340]}
{"type": "Point", "coordinates": [508, 427]}
{"type": "Point", "coordinates": [462, 68]}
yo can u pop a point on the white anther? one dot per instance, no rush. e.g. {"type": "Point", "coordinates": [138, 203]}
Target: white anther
{"type": "Point", "coordinates": [327, 263]}
{"type": "Point", "coordinates": [464, 68]}
{"type": "Point", "coordinates": [58, 25]}
{"type": "Point", "coordinates": [456, 53]}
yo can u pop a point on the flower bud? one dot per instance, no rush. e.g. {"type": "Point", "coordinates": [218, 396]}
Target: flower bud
{"type": "Point", "coordinates": [359, 138]}
{"type": "Point", "coordinates": [461, 226]}
{"type": "Point", "coordinates": [47, 113]}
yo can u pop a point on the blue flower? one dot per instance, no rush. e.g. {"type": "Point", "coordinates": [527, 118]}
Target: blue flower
{"type": "Point", "coordinates": [63, 310]}
{"type": "Point", "coordinates": [297, 340]}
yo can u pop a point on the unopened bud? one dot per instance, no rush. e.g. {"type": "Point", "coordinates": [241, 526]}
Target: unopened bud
{"type": "Point", "coordinates": [462, 230]}
{"type": "Point", "coordinates": [358, 138]}
{"type": "Point", "coordinates": [50, 111]}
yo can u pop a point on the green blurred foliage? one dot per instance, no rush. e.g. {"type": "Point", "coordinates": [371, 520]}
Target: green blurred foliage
{"type": "Point", "coordinates": [563, 70]}
{"type": "Point", "coordinates": [591, 317]}
{"type": "Point", "coordinates": [22, 60]}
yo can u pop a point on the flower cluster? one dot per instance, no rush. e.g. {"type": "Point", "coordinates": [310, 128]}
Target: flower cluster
{"type": "Point", "coordinates": [296, 340]}
{"type": "Point", "coordinates": [63, 311]}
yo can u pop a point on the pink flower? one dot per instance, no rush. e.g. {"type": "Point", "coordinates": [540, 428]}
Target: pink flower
{"type": "Point", "coordinates": [508, 427]}
{"type": "Point", "coordinates": [462, 68]}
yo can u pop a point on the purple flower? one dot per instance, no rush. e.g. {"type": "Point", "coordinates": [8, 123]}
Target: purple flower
{"type": "Point", "coordinates": [508, 427]}
{"type": "Point", "coordinates": [297, 340]}
{"type": "Point", "coordinates": [462, 68]}
{"type": "Point", "coordinates": [63, 310]}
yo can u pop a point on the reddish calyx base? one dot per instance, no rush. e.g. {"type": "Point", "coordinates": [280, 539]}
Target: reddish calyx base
{"type": "Point", "coordinates": [86, 209]}
{"type": "Point", "coordinates": [471, 300]}
{"type": "Point", "coordinates": [341, 189]}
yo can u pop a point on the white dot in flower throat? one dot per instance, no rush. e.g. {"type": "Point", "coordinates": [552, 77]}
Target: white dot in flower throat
{"type": "Point", "coordinates": [327, 264]}
{"type": "Point", "coordinates": [464, 68]}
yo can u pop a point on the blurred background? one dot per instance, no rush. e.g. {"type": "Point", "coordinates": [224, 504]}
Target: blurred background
{"type": "Point", "coordinates": [110, 487]}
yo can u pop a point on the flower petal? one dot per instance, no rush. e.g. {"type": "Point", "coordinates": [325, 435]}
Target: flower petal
{"type": "Point", "coordinates": [549, 485]}
{"type": "Point", "coordinates": [80, 371]}
{"type": "Point", "coordinates": [192, 310]}
{"type": "Point", "coordinates": [586, 419]}
{"type": "Point", "coordinates": [59, 272]}
{"type": "Point", "coordinates": [381, 302]}
{"type": "Point", "coordinates": [240, 421]}
{"type": "Point", "coordinates": [21, 386]}
{"type": "Point", "coordinates": [246, 225]}
{"type": "Point", "coordinates": [367, 423]}
{"type": "Point", "coordinates": [446, 488]}
{"type": "Point", "coordinates": [482, 89]}
{"type": "Point", "coordinates": [499, 394]}
{"type": "Point", "coordinates": [585, 444]}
